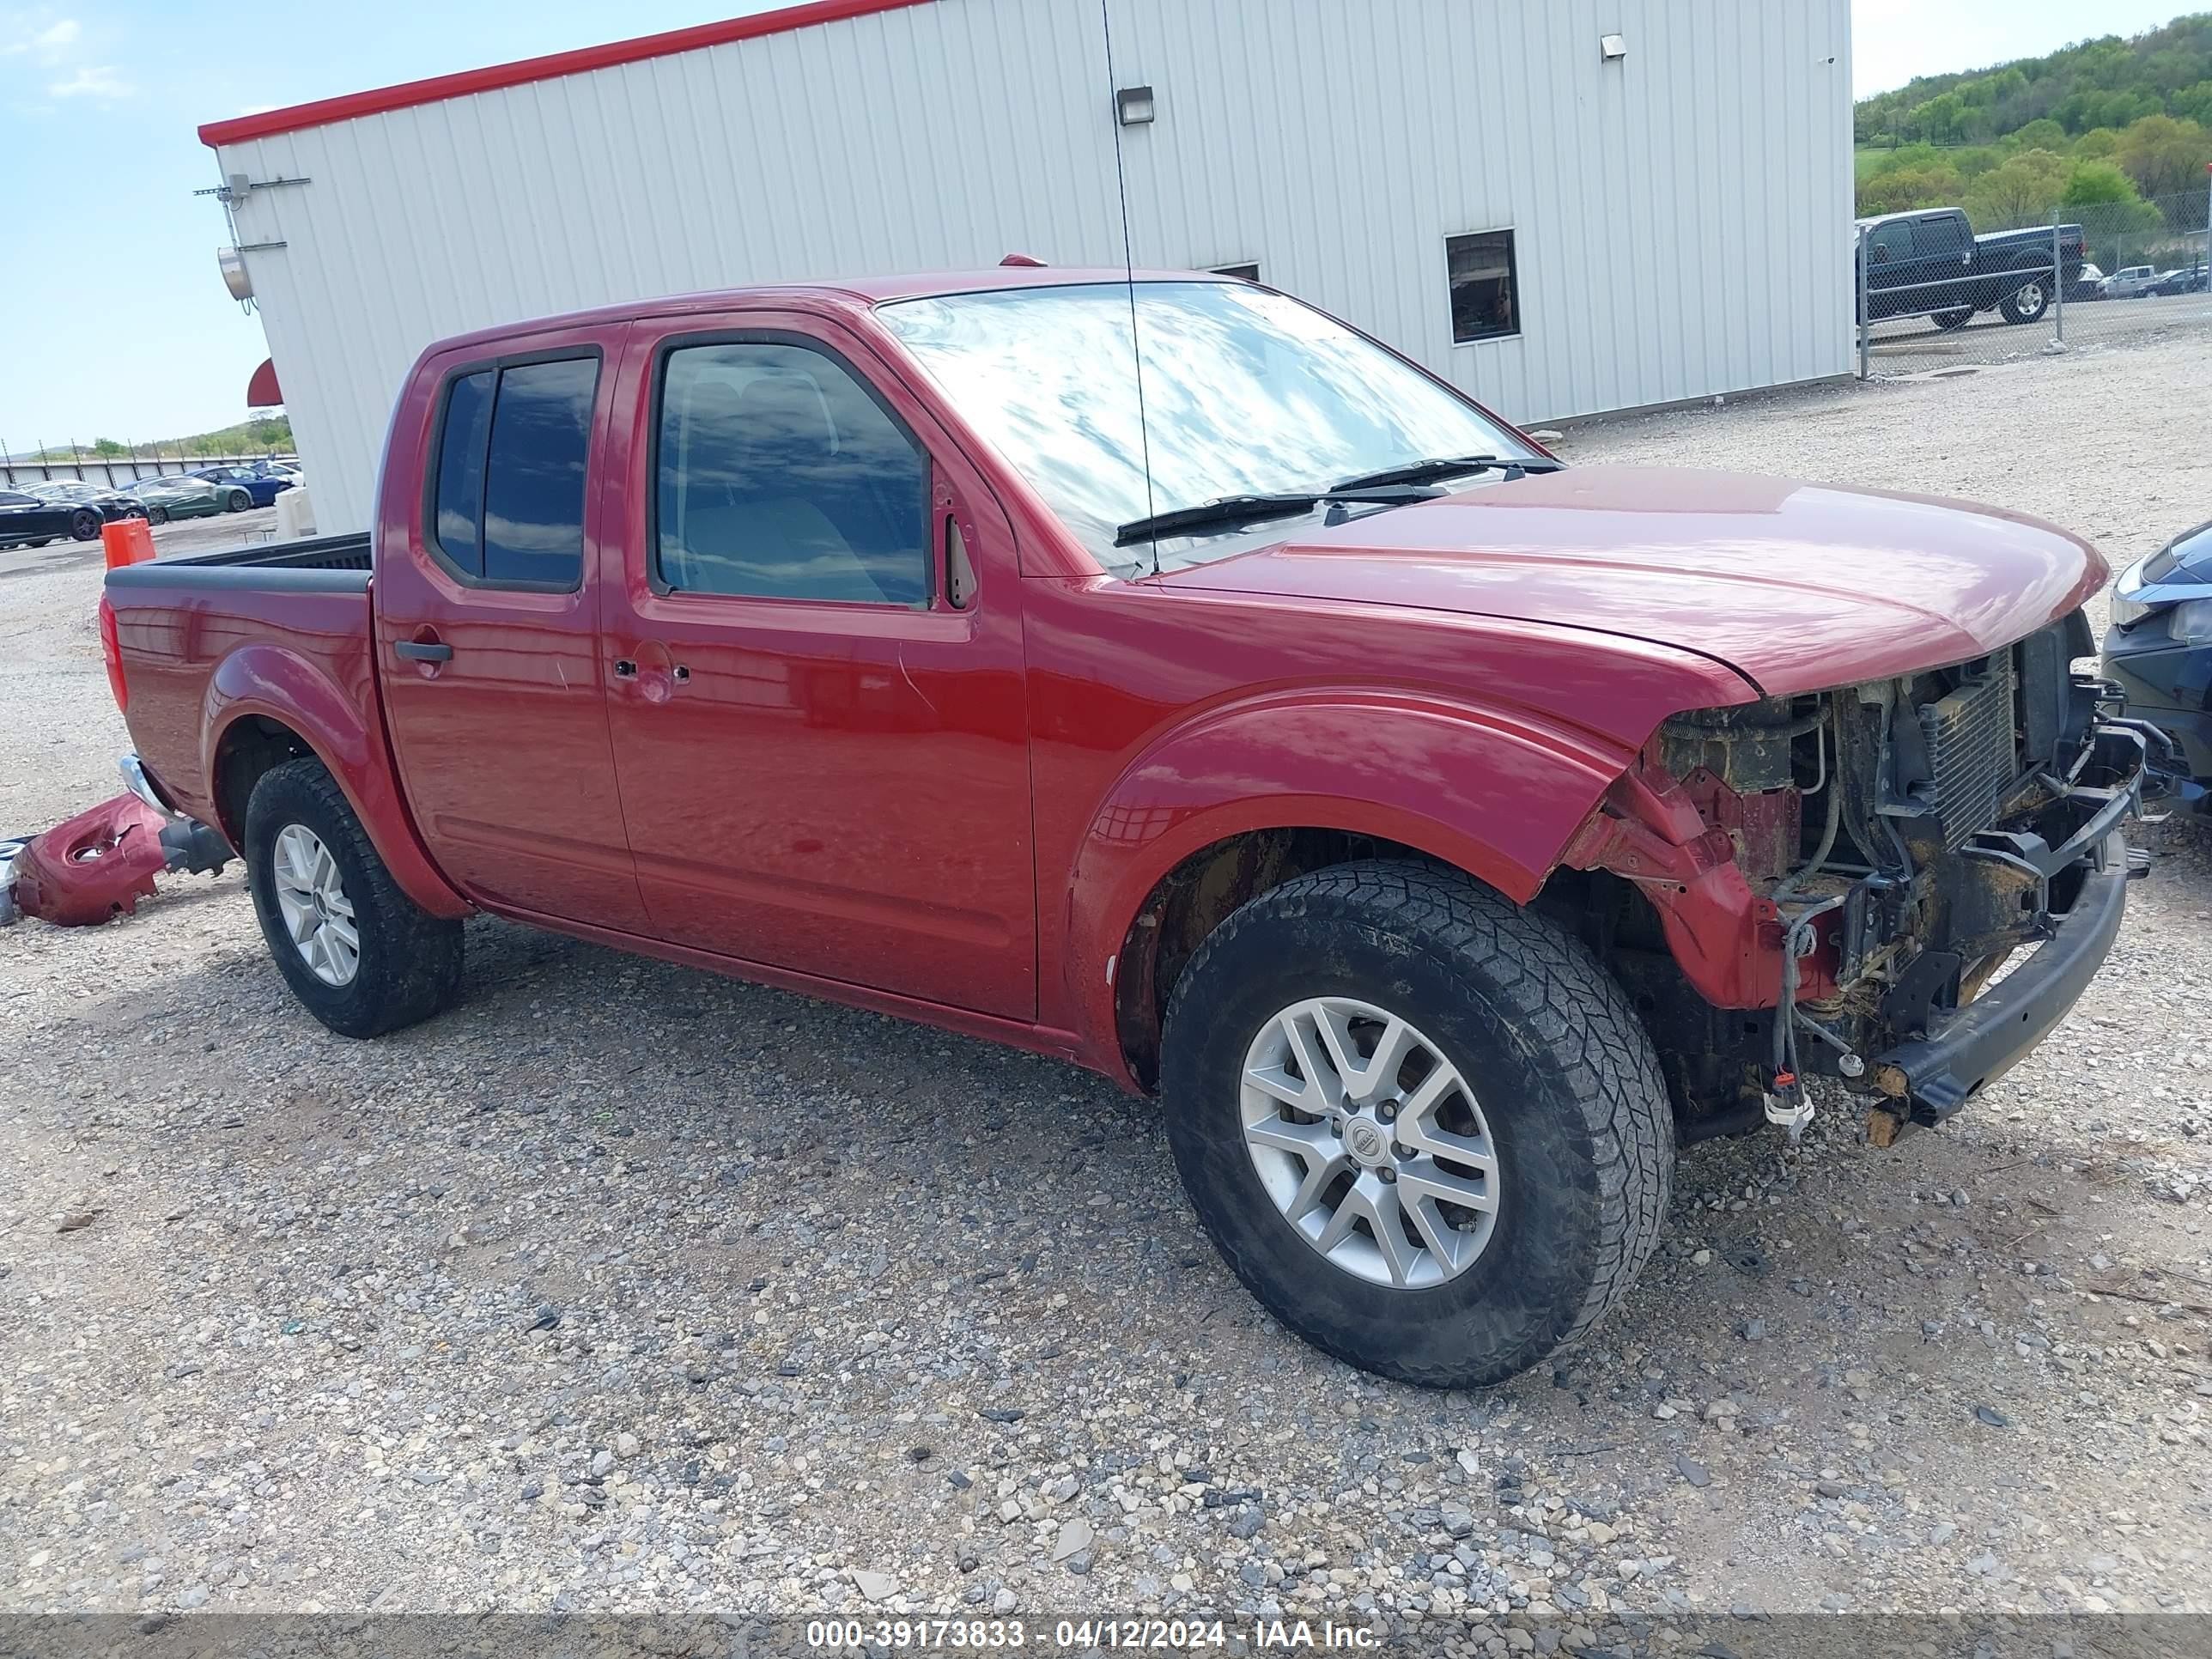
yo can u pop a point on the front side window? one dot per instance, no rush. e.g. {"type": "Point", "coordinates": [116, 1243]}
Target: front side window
{"type": "Point", "coordinates": [1892, 242]}
{"type": "Point", "coordinates": [1246, 392]}
{"type": "Point", "coordinates": [1485, 299]}
{"type": "Point", "coordinates": [779, 475]}
{"type": "Point", "coordinates": [508, 503]}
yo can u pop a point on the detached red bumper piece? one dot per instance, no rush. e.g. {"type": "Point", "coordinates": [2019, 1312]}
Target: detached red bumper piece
{"type": "Point", "coordinates": [99, 864]}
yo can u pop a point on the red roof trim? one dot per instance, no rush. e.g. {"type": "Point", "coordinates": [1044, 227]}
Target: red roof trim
{"type": "Point", "coordinates": [355, 105]}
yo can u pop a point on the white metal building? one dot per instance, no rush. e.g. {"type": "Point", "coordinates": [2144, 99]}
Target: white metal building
{"type": "Point", "coordinates": [1566, 206]}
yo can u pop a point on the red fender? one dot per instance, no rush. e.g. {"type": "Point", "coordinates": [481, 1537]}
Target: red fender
{"type": "Point", "coordinates": [344, 727]}
{"type": "Point", "coordinates": [1495, 794]}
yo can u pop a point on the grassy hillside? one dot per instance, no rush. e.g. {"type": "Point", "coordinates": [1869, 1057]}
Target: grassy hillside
{"type": "Point", "coordinates": [270, 436]}
{"type": "Point", "coordinates": [2110, 130]}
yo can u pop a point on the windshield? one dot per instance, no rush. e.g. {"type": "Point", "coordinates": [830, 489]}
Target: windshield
{"type": "Point", "coordinates": [1245, 393]}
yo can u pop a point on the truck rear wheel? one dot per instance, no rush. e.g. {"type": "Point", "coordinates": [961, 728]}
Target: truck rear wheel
{"type": "Point", "coordinates": [360, 955]}
{"type": "Point", "coordinates": [2029, 298]}
{"type": "Point", "coordinates": [1424, 1126]}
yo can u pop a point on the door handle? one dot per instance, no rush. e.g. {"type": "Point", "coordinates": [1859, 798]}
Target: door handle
{"type": "Point", "coordinates": [424, 650]}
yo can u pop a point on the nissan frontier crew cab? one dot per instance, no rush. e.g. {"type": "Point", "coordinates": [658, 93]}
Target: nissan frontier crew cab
{"type": "Point", "coordinates": [1444, 834]}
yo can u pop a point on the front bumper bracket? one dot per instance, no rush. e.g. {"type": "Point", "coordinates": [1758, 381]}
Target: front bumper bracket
{"type": "Point", "coordinates": [1930, 1077]}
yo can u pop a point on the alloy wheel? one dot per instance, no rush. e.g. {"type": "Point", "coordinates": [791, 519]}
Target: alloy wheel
{"type": "Point", "coordinates": [1371, 1143]}
{"type": "Point", "coordinates": [312, 899]}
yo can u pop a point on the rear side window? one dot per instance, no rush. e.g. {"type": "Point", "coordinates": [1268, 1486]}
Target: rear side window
{"type": "Point", "coordinates": [508, 504]}
{"type": "Point", "coordinates": [460, 517]}
{"type": "Point", "coordinates": [1933, 236]}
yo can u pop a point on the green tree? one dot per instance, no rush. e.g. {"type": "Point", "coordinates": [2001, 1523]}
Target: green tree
{"type": "Point", "coordinates": [2096, 145]}
{"type": "Point", "coordinates": [2194, 104]}
{"type": "Point", "coordinates": [2098, 184]}
{"type": "Point", "coordinates": [2022, 191]}
{"type": "Point", "coordinates": [2040, 134]}
{"type": "Point", "coordinates": [1899, 190]}
{"type": "Point", "coordinates": [107, 447]}
{"type": "Point", "coordinates": [2163, 157]}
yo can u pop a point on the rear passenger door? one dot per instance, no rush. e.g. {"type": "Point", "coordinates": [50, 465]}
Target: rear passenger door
{"type": "Point", "coordinates": [822, 736]}
{"type": "Point", "coordinates": [487, 630]}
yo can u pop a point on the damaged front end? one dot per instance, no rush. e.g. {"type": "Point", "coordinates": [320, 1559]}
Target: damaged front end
{"type": "Point", "coordinates": [1832, 883]}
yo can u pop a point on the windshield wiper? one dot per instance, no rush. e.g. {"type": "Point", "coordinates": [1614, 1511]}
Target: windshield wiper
{"type": "Point", "coordinates": [1454, 466]}
{"type": "Point", "coordinates": [1250, 509]}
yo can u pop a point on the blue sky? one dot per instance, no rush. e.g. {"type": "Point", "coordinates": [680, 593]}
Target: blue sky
{"type": "Point", "coordinates": [113, 320]}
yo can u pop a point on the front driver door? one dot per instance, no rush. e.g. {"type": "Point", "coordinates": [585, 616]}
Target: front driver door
{"type": "Point", "coordinates": [823, 753]}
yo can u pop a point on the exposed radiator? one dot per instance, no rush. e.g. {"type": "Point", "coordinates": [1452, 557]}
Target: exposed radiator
{"type": "Point", "coordinates": [1972, 752]}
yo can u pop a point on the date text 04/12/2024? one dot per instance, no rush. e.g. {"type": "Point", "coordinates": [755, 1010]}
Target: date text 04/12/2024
{"type": "Point", "coordinates": [1082, 1635]}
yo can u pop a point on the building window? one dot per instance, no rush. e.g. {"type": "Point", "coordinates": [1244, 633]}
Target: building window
{"type": "Point", "coordinates": [1250, 273]}
{"type": "Point", "coordinates": [1485, 299]}
{"type": "Point", "coordinates": [780, 475]}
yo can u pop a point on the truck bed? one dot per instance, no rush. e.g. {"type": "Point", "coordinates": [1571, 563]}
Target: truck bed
{"type": "Point", "coordinates": [202, 640]}
{"type": "Point", "coordinates": [318, 553]}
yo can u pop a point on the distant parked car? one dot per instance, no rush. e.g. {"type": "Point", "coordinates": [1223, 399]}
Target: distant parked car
{"type": "Point", "coordinates": [2130, 283]}
{"type": "Point", "coordinates": [1930, 263]}
{"type": "Point", "coordinates": [2187, 279]}
{"type": "Point", "coordinates": [259, 483]}
{"type": "Point", "coordinates": [110, 504]}
{"type": "Point", "coordinates": [27, 520]}
{"type": "Point", "coordinates": [2158, 647]}
{"type": "Point", "coordinates": [189, 495]}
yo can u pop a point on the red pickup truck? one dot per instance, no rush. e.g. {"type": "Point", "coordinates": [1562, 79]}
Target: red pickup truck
{"type": "Point", "coordinates": [1446, 834]}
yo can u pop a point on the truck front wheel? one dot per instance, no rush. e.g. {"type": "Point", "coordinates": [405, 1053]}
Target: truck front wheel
{"type": "Point", "coordinates": [1424, 1126]}
{"type": "Point", "coordinates": [363, 957]}
{"type": "Point", "coordinates": [1947, 320]}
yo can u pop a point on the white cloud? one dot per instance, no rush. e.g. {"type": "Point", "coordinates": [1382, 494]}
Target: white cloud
{"type": "Point", "coordinates": [49, 45]}
{"type": "Point", "coordinates": [92, 81]}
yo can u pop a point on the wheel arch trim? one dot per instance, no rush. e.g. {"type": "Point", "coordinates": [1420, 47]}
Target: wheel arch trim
{"type": "Point", "coordinates": [265, 682]}
{"type": "Point", "coordinates": [1495, 793]}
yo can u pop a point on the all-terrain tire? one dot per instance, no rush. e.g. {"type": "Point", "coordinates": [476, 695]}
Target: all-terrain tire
{"type": "Point", "coordinates": [1549, 1046]}
{"type": "Point", "coordinates": [410, 961]}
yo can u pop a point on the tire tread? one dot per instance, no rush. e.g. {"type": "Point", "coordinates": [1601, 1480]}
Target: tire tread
{"type": "Point", "coordinates": [1560, 995]}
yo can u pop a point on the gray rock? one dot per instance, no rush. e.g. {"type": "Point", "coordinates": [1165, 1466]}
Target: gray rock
{"type": "Point", "coordinates": [1693, 1471]}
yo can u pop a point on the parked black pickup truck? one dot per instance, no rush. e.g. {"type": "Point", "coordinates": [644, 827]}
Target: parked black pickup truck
{"type": "Point", "coordinates": [1930, 263]}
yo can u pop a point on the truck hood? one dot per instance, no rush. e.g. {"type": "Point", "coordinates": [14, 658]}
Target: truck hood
{"type": "Point", "coordinates": [1797, 587]}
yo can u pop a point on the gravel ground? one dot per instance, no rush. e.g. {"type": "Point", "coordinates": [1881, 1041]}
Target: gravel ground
{"type": "Point", "coordinates": [622, 1287]}
{"type": "Point", "coordinates": [1909, 345]}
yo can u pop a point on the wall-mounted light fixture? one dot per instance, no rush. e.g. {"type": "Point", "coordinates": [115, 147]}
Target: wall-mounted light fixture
{"type": "Point", "coordinates": [1614, 47]}
{"type": "Point", "coordinates": [231, 264]}
{"type": "Point", "coordinates": [1134, 106]}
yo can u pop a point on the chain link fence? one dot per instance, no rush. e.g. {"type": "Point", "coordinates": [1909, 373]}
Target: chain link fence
{"type": "Point", "coordinates": [1934, 295]}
